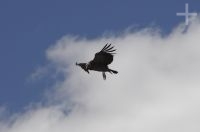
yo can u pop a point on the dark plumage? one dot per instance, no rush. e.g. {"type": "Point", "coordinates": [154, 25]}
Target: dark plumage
{"type": "Point", "coordinates": [101, 61]}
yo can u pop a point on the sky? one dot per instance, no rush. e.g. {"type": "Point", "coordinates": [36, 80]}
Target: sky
{"type": "Point", "coordinates": [158, 64]}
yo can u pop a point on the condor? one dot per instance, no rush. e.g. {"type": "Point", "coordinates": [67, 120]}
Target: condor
{"type": "Point", "coordinates": [101, 61]}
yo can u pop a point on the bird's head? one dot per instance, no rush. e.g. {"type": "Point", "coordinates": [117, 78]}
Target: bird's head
{"type": "Point", "coordinates": [83, 66]}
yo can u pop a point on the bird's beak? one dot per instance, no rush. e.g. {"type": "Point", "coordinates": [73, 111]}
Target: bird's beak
{"type": "Point", "coordinates": [76, 64]}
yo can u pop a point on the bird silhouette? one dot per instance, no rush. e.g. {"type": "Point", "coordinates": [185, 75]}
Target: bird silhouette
{"type": "Point", "coordinates": [101, 61]}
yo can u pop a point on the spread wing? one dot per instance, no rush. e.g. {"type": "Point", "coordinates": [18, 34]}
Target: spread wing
{"type": "Point", "coordinates": [105, 56]}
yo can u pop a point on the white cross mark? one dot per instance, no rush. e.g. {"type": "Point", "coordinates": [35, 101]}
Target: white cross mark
{"type": "Point", "coordinates": [187, 14]}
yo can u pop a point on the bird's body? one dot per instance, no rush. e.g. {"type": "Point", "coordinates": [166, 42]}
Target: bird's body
{"type": "Point", "coordinates": [101, 61]}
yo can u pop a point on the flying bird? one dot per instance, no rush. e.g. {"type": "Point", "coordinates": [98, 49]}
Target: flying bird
{"type": "Point", "coordinates": [101, 61]}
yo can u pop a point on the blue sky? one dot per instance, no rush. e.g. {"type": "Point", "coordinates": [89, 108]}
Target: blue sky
{"type": "Point", "coordinates": [29, 27]}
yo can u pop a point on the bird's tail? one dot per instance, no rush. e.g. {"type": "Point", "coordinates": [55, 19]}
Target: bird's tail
{"type": "Point", "coordinates": [113, 71]}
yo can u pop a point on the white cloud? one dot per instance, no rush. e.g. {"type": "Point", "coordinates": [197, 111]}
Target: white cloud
{"type": "Point", "coordinates": [157, 88]}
